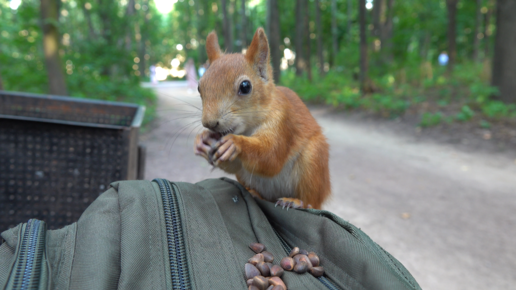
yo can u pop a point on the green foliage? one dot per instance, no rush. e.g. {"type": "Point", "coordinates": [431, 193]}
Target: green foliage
{"type": "Point", "coordinates": [484, 124]}
{"type": "Point", "coordinates": [482, 93]}
{"type": "Point", "coordinates": [431, 119]}
{"type": "Point", "coordinates": [395, 96]}
{"type": "Point", "coordinates": [388, 105]}
{"type": "Point", "coordinates": [348, 97]}
{"type": "Point", "coordinates": [465, 114]}
{"type": "Point", "coordinates": [497, 109]}
{"type": "Point", "coordinates": [97, 64]}
{"type": "Point", "coordinates": [107, 49]}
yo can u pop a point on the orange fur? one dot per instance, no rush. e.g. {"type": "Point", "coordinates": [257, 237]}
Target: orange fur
{"type": "Point", "coordinates": [272, 143]}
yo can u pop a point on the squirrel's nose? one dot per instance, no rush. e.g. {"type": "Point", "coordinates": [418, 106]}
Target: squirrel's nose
{"type": "Point", "coordinates": [212, 125]}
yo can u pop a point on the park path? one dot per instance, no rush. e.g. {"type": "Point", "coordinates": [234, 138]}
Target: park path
{"type": "Point", "coordinates": [448, 216]}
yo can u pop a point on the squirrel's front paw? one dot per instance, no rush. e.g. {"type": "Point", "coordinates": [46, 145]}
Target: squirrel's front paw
{"type": "Point", "coordinates": [204, 143]}
{"type": "Point", "coordinates": [227, 149]}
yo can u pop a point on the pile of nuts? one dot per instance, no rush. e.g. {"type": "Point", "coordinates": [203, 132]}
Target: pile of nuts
{"type": "Point", "coordinates": [261, 274]}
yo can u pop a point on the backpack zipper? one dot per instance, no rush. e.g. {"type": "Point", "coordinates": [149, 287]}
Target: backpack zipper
{"type": "Point", "coordinates": [324, 280]}
{"type": "Point", "coordinates": [28, 268]}
{"type": "Point", "coordinates": [176, 245]}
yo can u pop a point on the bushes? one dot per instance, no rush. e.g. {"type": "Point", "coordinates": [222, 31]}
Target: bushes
{"type": "Point", "coordinates": [465, 97]}
{"type": "Point", "coordinates": [431, 119]}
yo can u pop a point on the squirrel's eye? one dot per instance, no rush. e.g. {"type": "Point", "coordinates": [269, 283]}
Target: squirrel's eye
{"type": "Point", "coordinates": [245, 88]}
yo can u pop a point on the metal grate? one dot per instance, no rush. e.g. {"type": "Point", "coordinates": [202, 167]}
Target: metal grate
{"type": "Point", "coordinates": [58, 154]}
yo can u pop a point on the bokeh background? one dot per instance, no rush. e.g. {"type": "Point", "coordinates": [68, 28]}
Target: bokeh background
{"type": "Point", "coordinates": [379, 56]}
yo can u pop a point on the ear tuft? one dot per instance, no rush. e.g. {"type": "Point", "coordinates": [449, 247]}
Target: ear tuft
{"type": "Point", "coordinates": [213, 47]}
{"type": "Point", "coordinates": [258, 53]}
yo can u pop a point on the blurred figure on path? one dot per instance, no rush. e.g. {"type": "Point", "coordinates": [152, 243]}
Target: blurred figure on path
{"type": "Point", "coordinates": [153, 78]}
{"type": "Point", "coordinates": [202, 69]}
{"type": "Point", "coordinates": [443, 58]}
{"type": "Point", "coordinates": [191, 74]}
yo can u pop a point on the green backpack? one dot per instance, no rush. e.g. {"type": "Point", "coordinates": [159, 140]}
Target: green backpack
{"type": "Point", "coordinates": [174, 235]}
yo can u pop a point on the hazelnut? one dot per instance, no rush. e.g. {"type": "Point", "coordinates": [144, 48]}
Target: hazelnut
{"type": "Point", "coordinates": [276, 281]}
{"type": "Point", "coordinates": [301, 267]}
{"type": "Point", "coordinates": [294, 252]}
{"type": "Point", "coordinates": [267, 256]}
{"type": "Point", "coordinates": [251, 271]}
{"type": "Point", "coordinates": [317, 271]}
{"type": "Point", "coordinates": [314, 259]}
{"type": "Point", "coordinates": [261, 282]}
{"type": "Point", "coordinates": [256, 259]}
{"type": "Point", "coordinates": [276, 271]}
{"type": "Point", "coordinates": [264, 269]}
{"type": "Point", "coordinates": [298, 258]}
{"type": "Point", "coordinates": [257, 247]}
{"type": "Point", "coordinates": [287, 263]}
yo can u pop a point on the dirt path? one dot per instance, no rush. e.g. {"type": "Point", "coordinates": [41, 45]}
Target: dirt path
{"type": "Point", "coordinates": [447, 215]}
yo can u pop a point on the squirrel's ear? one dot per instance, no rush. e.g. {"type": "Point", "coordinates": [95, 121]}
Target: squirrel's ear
{"type": "Point", "coordinates": [212, 47]}
{"type": "Point", "coordinates": [258, 53]}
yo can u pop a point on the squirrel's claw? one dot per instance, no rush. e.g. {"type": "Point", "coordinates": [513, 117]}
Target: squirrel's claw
{"type": "Point", "coordinates": [224, 150]}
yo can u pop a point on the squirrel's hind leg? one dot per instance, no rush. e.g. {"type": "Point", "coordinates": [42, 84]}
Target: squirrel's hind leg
{"type": "Point", "coordinates": [254, 193]}
{"type": "Point", "coordinates": [288, 202]}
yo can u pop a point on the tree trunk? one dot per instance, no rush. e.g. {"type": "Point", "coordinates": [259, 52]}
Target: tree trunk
{"type": "Point", "coordinates": [129, 15]}
{"type": "Point", "coordinates": [49, 18]}
{"type": "Point", "coordinates": [476, 31]}
{"type": "Point", "coordinates": [504, 62]}
{"type": "Point", "coordinates": [226, 22]}
{"type": "Point", "coordinates": [92, 35]}
{"type": "Point", "coordinates": [243, 31]}
{"type": "Point", "coordinates": [144, 31]}
{"type": "Point", "coordinates": [308, 42]}
{"type": "Point", "coordinates": [382, 24]}
{"type": "Point", "coordinates": [320, 57]}
{"type": "Point", "coordinates": [378, 11]}
{"type": "Point", "coordinates": [201, 49]}
{"type": "Point", "coordinates": [274, 37]}
{"type": "Point", "coordinates": [334, 32]}
{"type": "Point", "coordinates": [452, 34]}
{"type": "Point", "coordinates": [363, 44]}
{"type": "Point", "coordinates": [299, 61]}
{"type": "Point", "coordinates": [105, 7]}
{"type": "Point", "coordinates": [487, 33]}
{"type": "Point", "coordinates": [424, 44]}
{"type": "Point", "coordinates": [386, 37]}
{"type": "Point", "coordinates": [350, 9]}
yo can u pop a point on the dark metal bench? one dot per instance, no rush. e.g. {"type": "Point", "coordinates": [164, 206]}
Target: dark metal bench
{"type": "Point", "coordinates": [57, 154]}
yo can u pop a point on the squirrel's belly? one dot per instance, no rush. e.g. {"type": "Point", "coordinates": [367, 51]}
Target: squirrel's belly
{"type": "Point", "coordinates": [283, 184]}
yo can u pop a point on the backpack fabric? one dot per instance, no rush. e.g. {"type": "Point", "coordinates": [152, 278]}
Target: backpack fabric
{"type": "Point", "coordinates": [175, 235]}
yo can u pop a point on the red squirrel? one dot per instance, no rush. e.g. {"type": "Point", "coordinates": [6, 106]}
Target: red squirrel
{"type": "Point", "coordinates": [262, 133]}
